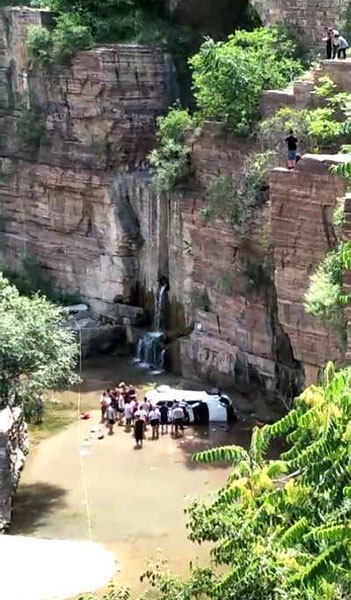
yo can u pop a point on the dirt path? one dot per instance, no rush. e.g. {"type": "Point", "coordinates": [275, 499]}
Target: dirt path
{"type": "Point", "coordinates": [132, 500]}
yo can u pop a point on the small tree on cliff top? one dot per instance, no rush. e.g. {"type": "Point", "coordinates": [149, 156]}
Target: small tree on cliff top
{"type": "Point", "coordinates": [229, 77]}
{"type": "Point", "coordinates": [36, 352]}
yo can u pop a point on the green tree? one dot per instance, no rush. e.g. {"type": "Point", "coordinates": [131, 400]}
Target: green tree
{"type": "Point", "coordinates": [69, 36]}
{"type": "Point", "coordinates": [229, 77]}
{"type": "Point", "coordinates": [57, 46]}
{"type": "Point", "coordinates": [36, 351]}
{"type": "Point", "coordinates": [325, 295]}
{"type": "Point", "coordinates": [108, 20]}
{"type": "Point", "coordinates": [39, 44]}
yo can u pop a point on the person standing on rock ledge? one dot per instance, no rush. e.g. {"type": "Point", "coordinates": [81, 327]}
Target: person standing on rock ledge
{"type": "Point", "coordinates": [291, 141]}
{"type": "Point", "coordinates": [328, 39]}
{"type": "Point", "coordinates": [341, 44]}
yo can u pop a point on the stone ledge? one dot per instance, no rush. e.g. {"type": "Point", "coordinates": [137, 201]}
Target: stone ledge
{"type": "Point", "coordinates": [316, 163]}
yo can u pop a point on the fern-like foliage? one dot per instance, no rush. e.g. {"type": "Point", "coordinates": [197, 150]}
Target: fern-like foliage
{"type": "Point", "coordinates": [232, 454]}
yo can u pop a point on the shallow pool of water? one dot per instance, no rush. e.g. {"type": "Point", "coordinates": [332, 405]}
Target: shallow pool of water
{"type": "Point", "coordinates": [130, 500]}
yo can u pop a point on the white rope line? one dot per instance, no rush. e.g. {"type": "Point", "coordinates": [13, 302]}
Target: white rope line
{"type": "Point", "coordinates": [81, 462]}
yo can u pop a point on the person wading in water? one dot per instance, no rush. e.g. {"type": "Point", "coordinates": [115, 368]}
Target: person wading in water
{"type": "Point", "coordinates": [139, 425]}
{"type": "Point", "coordinates": [155, 417]}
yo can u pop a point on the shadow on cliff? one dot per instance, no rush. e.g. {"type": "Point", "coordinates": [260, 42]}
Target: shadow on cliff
{"type": "Point", "coordinates": [32, 504]}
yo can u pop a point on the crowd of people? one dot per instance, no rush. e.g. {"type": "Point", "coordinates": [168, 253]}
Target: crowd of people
{"type": "Point", "coordinates": [336, 44]}
{"type": "Point", "coordinates": [120, 405]}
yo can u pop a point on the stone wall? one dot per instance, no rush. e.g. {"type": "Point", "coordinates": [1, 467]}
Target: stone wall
{"type": "Point", "coordinates": [13, 449]}
{"type": "Point", "coordinates": [305, 17]}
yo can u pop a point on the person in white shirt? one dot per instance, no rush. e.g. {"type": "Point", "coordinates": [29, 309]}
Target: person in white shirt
{"type": "Point", "coordinates": [133, 405]}
{"type": "Point", "coordinates": [143, 414]}
{"type": "Point", "coordinates": [111, 418]}
{"type": "Point", "coordinates": [128, 415]}
{"type": "Point", "coordinates": [178, 419]}
{"type": "Point", "coordinates": [104, 402]}
{"type": "Point", "coordinates": [120, 407]}
{"type": "Point", "coordinates": [171, 406]}
{"type": "Point", "coordinates": [155, 417]}
{"type": "Point", "coordinates": [145, 405]}
{"type": "Point", "coordinates": [341, 44]}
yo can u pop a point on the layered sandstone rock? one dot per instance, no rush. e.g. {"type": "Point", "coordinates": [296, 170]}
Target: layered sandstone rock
{"type": "Point", "coordinates": [303, 202]}
{"type": "Point", "coordinates": [13, 449]}
{"type": "Point", "coordinates": [79, 202]}
{"type": "Point", "coordinates": [224, 281]}
{"type": "Point", "coordinates": [82, 203]}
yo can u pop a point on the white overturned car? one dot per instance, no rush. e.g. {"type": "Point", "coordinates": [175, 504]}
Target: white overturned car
{"type": "Point", "coordinates": [200, 407]}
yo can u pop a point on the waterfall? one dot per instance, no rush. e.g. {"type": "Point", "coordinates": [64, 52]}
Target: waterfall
{"type": "Point", "coordinates": [151, 351]}
{"type": "Point", "coordinates": [160, 305]}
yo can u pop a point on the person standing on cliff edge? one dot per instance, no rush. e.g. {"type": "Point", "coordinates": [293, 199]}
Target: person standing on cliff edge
{"type": "Point", "coordinates": [291, 142]}
{"type": "Point", "coordinates": [328, 39]}
{"type": "Point", "coordinates": [340, 44]}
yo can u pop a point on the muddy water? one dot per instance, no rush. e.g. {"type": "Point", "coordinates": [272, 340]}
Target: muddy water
{"type": "Point", "coordinates": [130, 500]}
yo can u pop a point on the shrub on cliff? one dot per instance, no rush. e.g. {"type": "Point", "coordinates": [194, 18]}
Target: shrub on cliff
{"type": "Point", "coordinates": [170, 161]}
{"type": "Point", "coordinates": [36, 352]}
{"type": "Point", "coordinates": [229, 77]}
{"type": "Point", "coordinates": [69, 36]}
{"type": "Point", "coordinates": [236, 201]}
{"type": "Point", "coordinates": [325, 296]}
{"type": "Point", "coordinates": [316, 129]}
{"type": "Point", "coordinates": [39, 45]}
{"type": "Point", "coordinates": [116, 20]}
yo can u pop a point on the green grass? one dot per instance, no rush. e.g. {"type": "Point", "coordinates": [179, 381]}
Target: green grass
{"type": "Point", "coordinates": [57, 416]}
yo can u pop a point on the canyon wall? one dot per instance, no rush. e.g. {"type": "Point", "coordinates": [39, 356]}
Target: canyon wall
{"type": "Point", "coordinates": [68, 197]}
{"type": "Point", "coordinates": [76, 195]}
{"type": "Point", "coordinates": [302, 205]}
{"type": "Point", "coordinates": [243, 291]}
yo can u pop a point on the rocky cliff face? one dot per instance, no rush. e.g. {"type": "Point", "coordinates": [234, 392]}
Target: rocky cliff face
{"type": "Point", "coordinates": [244, 292]}
{"type": "Point", "coordinates": [302, 204]}
{"type": "Point", "coordinates": [13, 449]}
{"type": "Point", "coordinates": [76, 195]}
{"type": "Point", "coordinates": [71, 198]}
